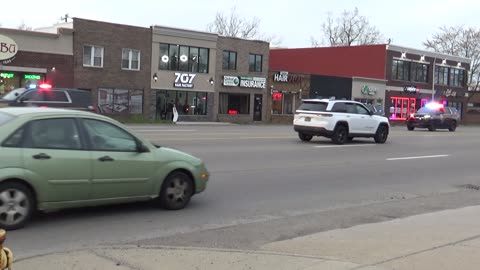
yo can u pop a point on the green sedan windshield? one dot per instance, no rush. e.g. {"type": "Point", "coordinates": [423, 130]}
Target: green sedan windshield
{"type": "Point", "coordinates": [4, 118]}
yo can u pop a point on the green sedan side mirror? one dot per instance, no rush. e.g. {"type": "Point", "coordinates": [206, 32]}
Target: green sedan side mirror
{"type": "Point", "coordinates": [141, 148]}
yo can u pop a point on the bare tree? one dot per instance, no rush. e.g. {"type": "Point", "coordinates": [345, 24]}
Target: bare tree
{"type": "Point", "coordinates": [460, 41]}
{"type": "Point", "coordinates": [233, 25]}
{"type": "Point", "coordinates": [23, 26]}
{"type": "Point", "coordinates": [349, 29]}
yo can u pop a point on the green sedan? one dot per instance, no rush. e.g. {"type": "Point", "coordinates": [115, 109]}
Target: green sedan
{"type": "Point", "coordinates": [54, 159]}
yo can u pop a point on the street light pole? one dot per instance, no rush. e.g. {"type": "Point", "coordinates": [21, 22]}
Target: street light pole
{"type": "Point", "coordinates": [433, 78]}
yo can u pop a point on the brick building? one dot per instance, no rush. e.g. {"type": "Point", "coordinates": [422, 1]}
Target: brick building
{"type": "Point", "coordinates": [399, 78]}
{"type": "Point", "coordinates": [241, 88]}
{"type": "Point", "coordinates": [182, 73]}
{"type": "Point", "coordinates": [114, 62]}
{"type": "Point", "coordinates": [34, 57]}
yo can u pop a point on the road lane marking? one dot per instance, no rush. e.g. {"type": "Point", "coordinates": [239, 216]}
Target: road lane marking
{"type": "Point", "coordinates": [163, 130]}
{"type": "Point", "coordinates": [338, 146]}
{"type": "Point", "coordinates": [418, 157]}
{"type": "Point", "coordinates": [218, 138]}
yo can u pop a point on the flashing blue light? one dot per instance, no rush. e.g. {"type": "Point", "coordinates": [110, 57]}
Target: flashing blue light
{"type": "Point", "coordinates": [32, 86]}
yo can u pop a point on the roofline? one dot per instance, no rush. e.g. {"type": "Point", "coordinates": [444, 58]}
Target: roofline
{"type": "Point", "coordinates": [60, 31]}
{"type": "Point", "coordinates": [182, 32]}
{"type": "Point", "coordinates": [428, 53]}
{"type": "Point", "coordinates": [244, 39]}
{"type": "Point", "coordinates": [369, 79]}
{"type": "Point", "coordinates": [110, 23]}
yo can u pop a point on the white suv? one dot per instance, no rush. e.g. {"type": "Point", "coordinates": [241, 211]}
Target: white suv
{"type": "Point", "coordinates": [340, 120]}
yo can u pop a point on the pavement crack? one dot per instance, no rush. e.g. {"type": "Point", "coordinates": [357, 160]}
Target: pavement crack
{"type": "Point", "coordinates": [117, 262]}
{"type": "Point", "coordinates": [418, 252]}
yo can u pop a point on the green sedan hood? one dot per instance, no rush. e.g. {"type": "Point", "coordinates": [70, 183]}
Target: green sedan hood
{"type": "Point", "coordinates": [174, 154]}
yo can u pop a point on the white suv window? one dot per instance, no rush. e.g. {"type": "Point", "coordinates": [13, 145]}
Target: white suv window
{"type": "Point", "coordinates": [361, 109]}
{"type": "Point", "coordinates": [313, 106]}
{"type": "Point", "coordinates": [351, 108]}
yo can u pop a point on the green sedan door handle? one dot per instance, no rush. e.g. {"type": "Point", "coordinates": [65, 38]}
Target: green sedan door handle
{"type": "Point", "coordinates": [105, 158]}
{"type": "Point", "coordinates": [41, 156]}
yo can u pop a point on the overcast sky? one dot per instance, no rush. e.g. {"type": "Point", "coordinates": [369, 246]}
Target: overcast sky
{"type": "Point", "coordinates": [406, 22]}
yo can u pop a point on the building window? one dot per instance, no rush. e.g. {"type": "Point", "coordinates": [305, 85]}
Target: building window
{"type": "Point", "coordinates": [420, 72]}
{"type": "Point", "coordinates": [229, 60]}
{"type": "Point", "coordinates": [120, 101]}
{"type": "Point", "coordinates": [186, 103]}
{"type": "Point", "coordinates": [473, 108]}
{"type": "Point", "coordinates": [92, 56]}
{"type": "Point", "coordinates": [457, 105]}
{"type": "Point", "coordinates": [234, 103]}
{"type": "Point", "coordinates": [255, 63]}
{"type": "Point", "coordinates": [130, 59]}
{"type": "Point", "coordinates": [183, 58]}
{"type": "Point", "coordinates": [456, 77]}
{"type": "Point", "coordinates": [441, 75]}
{"type": "Point", "coordinates": [400, 70]}
{"type": "Point", "coordinates": [282, 103]}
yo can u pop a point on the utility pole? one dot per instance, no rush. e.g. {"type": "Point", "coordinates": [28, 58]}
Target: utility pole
{"type": "Point", "coordinates": [433, 79]}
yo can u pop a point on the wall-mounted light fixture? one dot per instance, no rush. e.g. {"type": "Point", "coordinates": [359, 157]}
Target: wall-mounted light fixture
{"type": "Point", "coordinates": [444, 61]}
{"type": "Point", "coordinates": [422, 59]}
{"type": "Point", "coordinates": [211, 81]}
{"type": "Point", "coordinates": [404, 55]}
{"type": "Point", "coordinates": [53, 68]}
{"type": "Point", "coordinates": [459, 64]}
{"type": "Point", "coordinates": [155, 77]}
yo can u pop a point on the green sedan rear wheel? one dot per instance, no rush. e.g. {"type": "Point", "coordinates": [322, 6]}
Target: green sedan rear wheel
{"type": "Point", "coordinates": [16, 205]}
{"type": "Point", "coordinates": [177, 190]}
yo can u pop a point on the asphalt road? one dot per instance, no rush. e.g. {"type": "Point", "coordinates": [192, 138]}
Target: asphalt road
{"type": "Point", "coordinates": [267, 185]}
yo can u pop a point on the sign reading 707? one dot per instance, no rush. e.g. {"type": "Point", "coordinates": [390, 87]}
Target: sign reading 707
{"type": "Point", "coordinates": [184, 80]}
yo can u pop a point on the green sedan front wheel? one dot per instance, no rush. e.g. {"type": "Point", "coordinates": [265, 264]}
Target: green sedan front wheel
{"type": "Point", "coordinates": [16, 205]}
{"type": "Point", "coordinates": [177, 190]}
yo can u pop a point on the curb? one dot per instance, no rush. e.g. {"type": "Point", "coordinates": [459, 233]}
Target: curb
{"type": "Point", "coordinates": [160, 247]}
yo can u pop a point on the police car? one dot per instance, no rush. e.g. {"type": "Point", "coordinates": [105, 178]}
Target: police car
{"type": "Point", "coordinates": [44, 95]}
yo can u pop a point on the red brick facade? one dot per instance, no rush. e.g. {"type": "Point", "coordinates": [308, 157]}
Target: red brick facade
{"type": "Point", "coordinates": [113, 38]}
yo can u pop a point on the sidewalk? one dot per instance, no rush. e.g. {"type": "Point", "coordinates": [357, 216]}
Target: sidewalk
{"type": "Point", "coordinates": [441, 240]}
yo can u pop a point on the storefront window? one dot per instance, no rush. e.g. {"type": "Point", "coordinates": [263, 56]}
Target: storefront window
{"type": "Point", "coordinates": [229, 60]}
{"type": "Point", "coordinates": [163, 63]}
{"type": "Point", "coordinates": [183, 66]}
{"type": "Point", "coordinates": [201, 108]}
{"type": "Point", "coordinates": [13, 80]}
{"type": "Point", "coordinates": [473, 107]}
{"type": "Point", "coordinates": [183, 58]}
{"type": "Point", "coordinates": [441, 75]}
{"type": "Point", "coordinates": [8, 82]}
{"type": "Point", "coordinates": [456, 77]}
{"type": "Point", "coordinates": [173, 57]}
{"type": "Point", "coordinates": [282, 103]}
{"type": "Point", "coordinates": [136, 102]}
{"type": "Point", "coordinates": [186, 102]}
{"type": "Point", "coordinates": [401, 70]}
{"type": "Point", "coordinates": [277, 103]}
{"type": "Point", "coordinates": [203, 61]}
{"type": "Point", "coordinates": [120, 101]}
{"type": "Point", "coordinates": [181, 102]}
{"type": "Point", "coordinates": [234, 103]}
{"type": "Point", "coordinates": [193, 61]}
{"type": "Point", "coordinates": [255, 63]}
{"type": "Point", "coordinates": [420, 72]}
{"type": "Point", "coordinates": [456, 104]}
{"type": "Point", "coordinates": [401, 107]}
